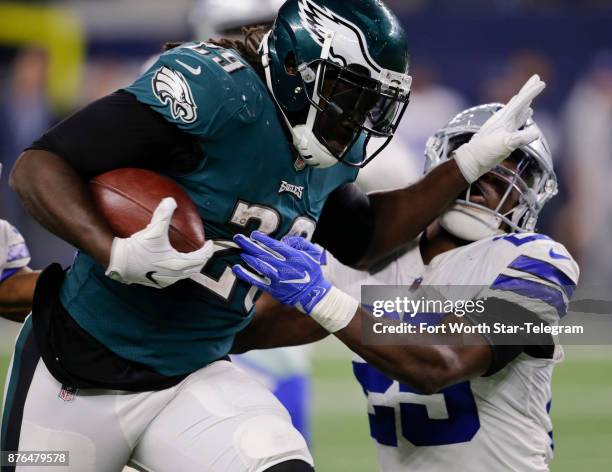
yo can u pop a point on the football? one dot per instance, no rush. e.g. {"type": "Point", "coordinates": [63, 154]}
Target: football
{"type": "Point", "coordinates": [128, 197]}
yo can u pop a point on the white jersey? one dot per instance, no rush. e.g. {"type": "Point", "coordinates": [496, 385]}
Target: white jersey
{"type": "Point", "coordinates": [498, 422]}
{"type": "Point", "coordinates": [14, 254]}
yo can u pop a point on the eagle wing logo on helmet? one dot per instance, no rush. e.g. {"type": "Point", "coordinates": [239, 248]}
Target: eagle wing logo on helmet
{"type": "Point", "coordinates": [349, 42]}
{"type": "Point", "coordinates": [171, 89]}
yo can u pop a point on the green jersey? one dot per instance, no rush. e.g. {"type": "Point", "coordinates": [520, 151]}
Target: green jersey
{"type": "Point", "coordinates": [247, 180]}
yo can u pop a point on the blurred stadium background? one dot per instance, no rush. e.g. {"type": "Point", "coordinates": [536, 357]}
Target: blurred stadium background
{"type": "Point", "coordinates": [56, 56]}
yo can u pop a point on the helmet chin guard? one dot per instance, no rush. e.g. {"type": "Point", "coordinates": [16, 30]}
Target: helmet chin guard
{"type": "Point", "coordinates": [313, 152]}
{"type": "Point", "coordinates": [469, 223]}
{"type": "Point", "coordinates": [310, 148]}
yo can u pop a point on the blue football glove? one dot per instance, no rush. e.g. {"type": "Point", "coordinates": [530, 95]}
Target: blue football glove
{"type": "Point", "coordinates": [289, 270]}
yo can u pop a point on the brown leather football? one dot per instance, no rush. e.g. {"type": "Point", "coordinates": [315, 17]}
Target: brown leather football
{"type": "Point", "coordinates": [128, 197]}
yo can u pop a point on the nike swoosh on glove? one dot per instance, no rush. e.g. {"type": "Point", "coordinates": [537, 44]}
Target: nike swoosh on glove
{"type": "Point", "coordinates": [148, 258]}
{"type": "Point", "coordinates": [290, 270]}
{"type": "Point", "coordinates": [501, 134]}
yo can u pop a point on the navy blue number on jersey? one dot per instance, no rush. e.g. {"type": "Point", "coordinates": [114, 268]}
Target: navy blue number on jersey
{"type": "Point", "coordinates": [448, 417]}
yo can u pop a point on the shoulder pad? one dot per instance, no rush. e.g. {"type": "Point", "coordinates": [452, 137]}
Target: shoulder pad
{"type": "Point", "coordinates": [539, 247]}
{"type": "Point", "coordinates": [199, 87]}
{"type": "Point", "coordinates": [537, 270]}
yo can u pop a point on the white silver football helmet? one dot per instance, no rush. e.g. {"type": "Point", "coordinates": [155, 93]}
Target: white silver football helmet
{"type": "Point", "coordinates": [534, 179]}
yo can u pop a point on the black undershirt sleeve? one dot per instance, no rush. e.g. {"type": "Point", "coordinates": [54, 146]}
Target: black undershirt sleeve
{"type": "Point", "coordinates": [506, 347]}
{"type": "Point", "coordinates": [346, 225]}
{"type": "Point", "coordinates": [118, 131]}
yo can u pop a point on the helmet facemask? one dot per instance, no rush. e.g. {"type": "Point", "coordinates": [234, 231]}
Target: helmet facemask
{"type": "Point", "coordinates": [347, 104]}
{"type": "Point", "coordinates": [524, 182]}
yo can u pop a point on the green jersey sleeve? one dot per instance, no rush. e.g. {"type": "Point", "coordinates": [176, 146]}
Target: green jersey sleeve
{"type": "Point", "coordinates": [196, 86]}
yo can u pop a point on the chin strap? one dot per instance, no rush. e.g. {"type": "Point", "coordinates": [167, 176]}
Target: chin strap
{"type": "Point", "coordinates": [303, 138]}
{"type": "Point", "coordinates": [264, 50]}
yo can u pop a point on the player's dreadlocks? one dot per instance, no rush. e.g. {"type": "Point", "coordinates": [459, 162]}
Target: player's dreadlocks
{"type": "Point", "coordinates": [247, 47]}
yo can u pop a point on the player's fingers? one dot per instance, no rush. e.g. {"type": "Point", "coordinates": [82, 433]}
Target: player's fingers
{"type": "Point", "coordinates": [315, 251]}
{"type": "Point", "coordinates": [277, 248]}
{"type": "Point", "coordinates": [260, 266]}
{"type": "Point", "coordinates": [293, 241]}
{"type": "Point", "coordinates": [526, 89]}
{"type": "Point", "coordinates": [531, 82]}
{"type": "Point", "coordinates": [250, 278]}
{"type": "Point", "coordinates": [162, 216]}
{"type": "Point", "coordinates": [164, 210]}
{"type": "Point", "coordinates": [525, 116]}
{"type": "Point", "coordinates": [249, 246]}
{"type": "Point", "coordinates": [180, 265]}
{"type": "Point", "coordinates": [299, 243]}
{"type": "Point", "coordinates": [523, 137]}
{"type": "Point", "coordinates": [204, 253]}
{"type": "Point", "coordinates": [519, 119]}
{"type": "Point", "coordinates": [532, 88]}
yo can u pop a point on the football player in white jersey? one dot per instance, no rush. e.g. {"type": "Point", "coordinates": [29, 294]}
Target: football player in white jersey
{"type": "Point", "coordinates": [477, 406]}
{"type": "Point", "coordinates": [17, 281]}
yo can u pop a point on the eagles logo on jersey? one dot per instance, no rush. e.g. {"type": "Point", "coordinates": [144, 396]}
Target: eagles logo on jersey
{"type": "Point", "coordinates": [171, 88]}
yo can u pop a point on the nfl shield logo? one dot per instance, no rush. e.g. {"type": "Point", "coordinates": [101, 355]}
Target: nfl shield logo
{"type": "Point", "coordinates": [299, 164]}
{"type": "Point", "coordinates": [67, 393]}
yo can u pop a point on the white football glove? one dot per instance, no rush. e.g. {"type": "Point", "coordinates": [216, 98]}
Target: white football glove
{"type": "Point", "coordinates": [147, 258]}
{"type": "Point", "coordinates": [500, 136]}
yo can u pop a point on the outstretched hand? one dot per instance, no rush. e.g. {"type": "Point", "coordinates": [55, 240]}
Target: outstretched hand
{"type": "Point", "coordinates": [502, 134]}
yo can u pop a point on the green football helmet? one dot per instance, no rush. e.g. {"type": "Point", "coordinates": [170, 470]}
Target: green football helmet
{"type": "Point", "coordinates": [338, 70]}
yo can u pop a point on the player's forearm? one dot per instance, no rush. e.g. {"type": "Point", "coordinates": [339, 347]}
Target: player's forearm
{"type": "Point", "coordinates": [424, 365]}
{"type": "Point", "coordinates": [16, 294]}
{"type": "Point", "coordinates": [276, 325]}
{"type": "Point", "coordinates": [401, 215]}
{"type": "Point", "coordinates": [54, 194]}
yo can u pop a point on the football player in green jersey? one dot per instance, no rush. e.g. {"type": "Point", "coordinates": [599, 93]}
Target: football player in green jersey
{"type": "Point", "coordinates": [134, 337]}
